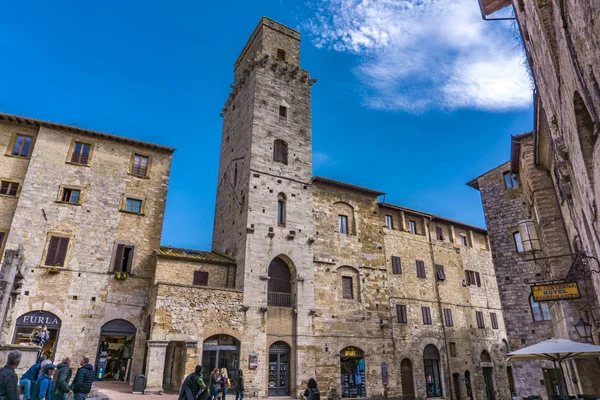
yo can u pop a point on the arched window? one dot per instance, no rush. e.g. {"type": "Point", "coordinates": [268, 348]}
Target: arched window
{"type": "Point", "coordinates": [468, 385]}
{"type": "Point", "coordinates": [485, 356]}
{"type": "Point", "coordinates": [585, 133]}
{"type": "Point", "coordinates": [431, 362]}
{"type": "Point", "coordinates": [280, 151]}
{"type": "Point", "coordinates": [281, 55]}
{"type": "Point", "coordinates": [281, 200]}
{"type": "Point", "coordinates": [539, 311]}
{"type": "Point", "coordinates": [279, 291]}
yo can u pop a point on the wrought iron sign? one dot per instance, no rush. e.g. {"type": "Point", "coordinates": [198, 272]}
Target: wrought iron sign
{"type": "Point", "coordinates": [555, 292]}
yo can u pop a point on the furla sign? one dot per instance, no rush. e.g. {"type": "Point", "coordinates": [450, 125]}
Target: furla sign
{"type": "Point", "coordinates": [39, 318]}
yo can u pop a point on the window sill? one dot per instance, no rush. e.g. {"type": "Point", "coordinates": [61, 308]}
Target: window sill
{"type": "Point", "coordinates": [67, 203]}
{"type": "Point", "coordinates": [9, 196]}
{"type": "Point", "coordinates": [132, 212]}
{"type": "Point", "coordinates": [138, 176]}
{"type": "Point", "coordinates": [18, 157]}
{"type": "Point", "coordinates": [77, 164]}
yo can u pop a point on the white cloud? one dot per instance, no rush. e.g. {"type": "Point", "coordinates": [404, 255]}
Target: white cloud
{"type": "Point", "coordinates": [422, 54]}
{"type": "Point", "coordinates": [321, 159]}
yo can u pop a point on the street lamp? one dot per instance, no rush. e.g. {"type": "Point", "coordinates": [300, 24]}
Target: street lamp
{"type": "Point", "coordinates": [584, 330]}
{"type": "Point", "coordinates": [529, 236]}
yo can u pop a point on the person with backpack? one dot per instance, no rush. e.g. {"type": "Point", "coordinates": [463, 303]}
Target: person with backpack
{"type": "Point", "coordinates": [193, 385]}
{"type": "Point", "coordinates": [312, 391]}
{"type": "Point", "coordinates": [62, 376]}
{"type": "Point", "coordinates": [238, 381]}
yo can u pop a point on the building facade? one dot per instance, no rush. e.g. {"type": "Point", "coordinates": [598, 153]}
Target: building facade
{"type": "Point", "coordinates": [552, 180]}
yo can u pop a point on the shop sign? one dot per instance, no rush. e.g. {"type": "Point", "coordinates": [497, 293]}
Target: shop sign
{"type": "Point", "coordinates": [557, 291]}
{"type": "Point", "coordinates": [253, 360]}
{"type": "Point", "coordinates": [384, 373]}
{"type": "Point", "coordinates": [350, 352]}
{"type": "Point", "coordinates": [40, 318]}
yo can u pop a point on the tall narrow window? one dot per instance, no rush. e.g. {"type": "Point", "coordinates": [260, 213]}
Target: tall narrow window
{"type": "Point", "coordinates": [401, 312]}
{"type": "Point", "coordinates": [389, 223]}
{"type": "Point", "coordinates": [452, 346]}
{"type": "Point", "coordinates": [421, 269]}
{"type": "Point", "coordinates": [280, 151]}
{"type": "Point", "coordinates": [343, 224]}
{"type": "Point", "coordinates": [448, 317]}
{"type": "Point", "coordinates": [463, 240]}
{"type": "Point", "coordinates": [347, 291]}
{"type": "Point", "coordinates": [518, 242]}
{"type": "Point", "coordinates": [479, 318]}
{"type": "Point", "coordinates": [8, 188]}
{"type": "Point", "coordinates": [539, 311]}
{"type": "Point", "coordinates": [494, 319]}
{"type": "Point", "coordinates": [412, 227]}
{"type": "Point", "coordinates": [426, 315]}
{"type": "Point", "coordinates": [281, 55]}
{"type": "Point", "coordinates": [281, 209]}
{"type": "Point", "coordinates": [123, 258]}
{"type": "Point", "coordinates": [200, 278]}
{"type": "Point", "coordinates": [439, 233]}
{"type": "Point", "coordinates": [81, 153]}
{"type": "Point", "coordinates": [22, 146]}
{"type": "Point", "coordinates": [140, 165]}
{"type": "Point", "coordinates": [510, 180]}
{"type": "Point", "coordinates": [57, 251]}
{"type": "Point", "coordinates": [441, 275]}
{"type": "Point", "coordinates": [283, 111]}
{"type": "Point", "coordinates": [396, 266]}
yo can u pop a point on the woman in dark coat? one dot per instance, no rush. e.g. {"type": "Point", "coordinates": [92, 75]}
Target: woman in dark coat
{"type": "Point", "coordinates": [192, 385]}
{"type": "Point", "coordinates": [312, 390]}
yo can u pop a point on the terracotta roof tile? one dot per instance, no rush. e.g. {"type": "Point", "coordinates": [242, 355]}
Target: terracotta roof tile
{"type": "Point", "coordinates": [197, 255]}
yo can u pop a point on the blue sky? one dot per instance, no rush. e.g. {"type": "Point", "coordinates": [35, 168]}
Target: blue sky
{"type": "Point", "coordinates": [414, 97]}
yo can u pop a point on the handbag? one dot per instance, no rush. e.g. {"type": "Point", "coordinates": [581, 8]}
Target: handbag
{"type": "Point", "coordinates": [204, 395]}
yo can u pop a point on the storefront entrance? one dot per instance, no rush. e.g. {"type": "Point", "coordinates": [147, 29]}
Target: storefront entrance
{"type": "Point", "coordinates": [488, 380]}
{"type": "Point", "coordinates": [26, 324]}
{"type": "Point", "coordinates": [554, 382]}
{"type": "Point", "coordinates": [220, 351]}
{"type": "Point", "coordinates": [115, 351]}
{"type": "Point", "coordinates": [353, 373]}
{"type": "Point", "coordinates": [279, 369]}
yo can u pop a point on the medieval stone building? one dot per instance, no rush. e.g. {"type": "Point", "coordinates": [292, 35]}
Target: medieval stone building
{"type": "Point", "coordinates": [551, 179]}
{"type": "Point", "coordinates": [307, 277]}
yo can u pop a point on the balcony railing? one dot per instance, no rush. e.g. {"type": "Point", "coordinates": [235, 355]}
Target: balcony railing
{"type": "Point", "coordinates": [279, 299]}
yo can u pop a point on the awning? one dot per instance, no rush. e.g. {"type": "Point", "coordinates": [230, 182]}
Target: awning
{"type": "Point", "coordinates": [555, 350]}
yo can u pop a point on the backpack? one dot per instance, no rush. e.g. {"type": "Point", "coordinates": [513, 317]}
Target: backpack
{"type": "Point", "coordinates": [316, 396]}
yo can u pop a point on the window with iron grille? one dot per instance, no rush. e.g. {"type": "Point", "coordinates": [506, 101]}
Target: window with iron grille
{"type": "Point", "coordinates": [479, 317]}
{"type": "Point", "coordinates": [389, 223]}
{"type": "Point", "coordinates": [140, 165]}
{"type": "Point", "coordinates": [123, 261]}
{"type": "Point", "coordinates": [200, 278]}
{"type": "Point", "coordinates": [448, 317]}
{"type": "Point", "coordinates": [347, 291]}
{"type": "Point", "coordinates": [343, 224]}
{"type": "Point", "coordinates": [421, 269]}
{"type": "Point", "coordinates": [57, 251]}
{"type": "Point", "coordinates": [280, 151]}
{"type": "Point", "coordinates": [472, 278]}
{"type": "Point", "coordinates": [426, 315]}
{"type": "Point", "coordinates": [401, 312]}
{"type": "Point", "coordinates": [396, 265]}
{"type": "Point", "coordinates": [452, 346]}
{"type": "Point", "coordinates": [70, 195]}
{"type": "Point", "coordinates": [81, 153]}
{"type": "Point", "coordinates": [441, 275]}
{"type": "Point", "coordinates": [9, 188]}
{"type": "Point", "coordinates": [22, 146]}
{"type": "Point", "coordinates": [494, 319]}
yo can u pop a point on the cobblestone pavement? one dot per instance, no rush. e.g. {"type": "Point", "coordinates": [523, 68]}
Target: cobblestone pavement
{"type": "Point", "coordinates": [122, 391]}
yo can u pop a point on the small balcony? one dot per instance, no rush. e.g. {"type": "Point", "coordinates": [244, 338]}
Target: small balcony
{"type": "Point", "coordinates": [277, 299]}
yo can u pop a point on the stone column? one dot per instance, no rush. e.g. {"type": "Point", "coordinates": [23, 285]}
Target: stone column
{"type": "Point", "coordinates": [155, 366]}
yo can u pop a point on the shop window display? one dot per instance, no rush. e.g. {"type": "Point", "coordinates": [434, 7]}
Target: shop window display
{"type": "Point", "coordinates": [353, 373]}
{"type": "Point", "coordinates": [41, 328]}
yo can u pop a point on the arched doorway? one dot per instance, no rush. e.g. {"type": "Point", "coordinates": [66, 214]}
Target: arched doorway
{"type": "Point", "coordinates": [220, 351]}
{"type": "Point", "coordinates": [279, 369]}
{"type": "Point", "coordinates": [456, 384]}
{"type": "Point", "coordinates": [279, 289]}
{"type": "Point", "coordinates": [26, 323]}
{"type": "Point", "coordinates": [115, 350]}
{"type": "Point", "coordinates": [352, 363]}
{"type": "Point", "coordinates": [406, 376]}
{"type": "Point", "coordinates": [488, 376]}
{"type": "Point", "coordinates": [431, 363]}
{"type": "Point", "coordinates": [468, 385]}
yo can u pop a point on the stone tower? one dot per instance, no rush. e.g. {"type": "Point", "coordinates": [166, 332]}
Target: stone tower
{"type": "Point", "coordinates": [263, 214]}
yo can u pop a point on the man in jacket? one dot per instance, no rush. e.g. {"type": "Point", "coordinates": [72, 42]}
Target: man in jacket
{"type": "Point", "coordinates": [9, 383]}
{"type": "Point", "coordinates": [82, 384]}
{"type": "Point", "coordinates": [61, 380]}
{"type": "Point", "coordinates": [28, 379]}
{"type": "Point", "coordinates": [43, 388]}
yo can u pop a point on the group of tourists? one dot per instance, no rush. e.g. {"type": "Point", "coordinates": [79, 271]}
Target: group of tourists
{"type": "Point", "coordinates": [194, 388]}
{"type": "Point", "coordinates": [44, 380]}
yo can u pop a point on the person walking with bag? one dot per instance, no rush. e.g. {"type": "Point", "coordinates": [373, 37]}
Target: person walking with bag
{"type": "Point", "coordinates": [214, 383]}
{"type": "Point", "coordinates": [193, 385]}
{"type": "Point", "coordinates": [238, 381]}
{"type": "Point", "coordinates": [224, 381]}
{"type": "Point", "coordinates": [61, 380]}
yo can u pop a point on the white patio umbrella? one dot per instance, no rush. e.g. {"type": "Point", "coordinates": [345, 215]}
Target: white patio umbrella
{"type": "Point", "coordinates": [555, 350]}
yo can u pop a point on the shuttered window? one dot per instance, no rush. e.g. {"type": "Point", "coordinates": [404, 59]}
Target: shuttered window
{"type": "Point", "coordinates": [123, 258]}
{"type": "Point", "coordinates": [8, 188]}
{"type": "Point", "coordinates": [421, 269]}
{"type": "Point", "coordinates": [472, 278]}
{"type": "Point", "coordinates": [426, 315]}
{"type": "Point", "coordinates": [494, 319]}
{"type": "Point", "coordinates": [448, 317]}
{"type": "Point", "coordinates": [348, 293]}
{"type": "Point", "coordinates": [140, 165]}
{"type": "Point", "coordinates": [57, 251]}
{"type": "Point", "coordinates": [396, 266]}
{"type": "Point", "coordinates": [452, 346]}
{"type": "Point", "coordinates": [439, 233]}
{"type": "Point", "coordinates": [81, 153]}
{"type": "Point", "coordinates": [479, 317]}
{"type": "Point", "coordinates": [441, 275]}
{"type": "Point", "coordinates": [477, 278]}
{"type": "Point", "coordinates": [401, 311]}
{"type": "Point", "coordinates": [280, 151]}
{"type": "Point", "coordinates": [200, 278]}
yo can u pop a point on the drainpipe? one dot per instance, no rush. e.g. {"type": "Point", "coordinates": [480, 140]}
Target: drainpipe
{"type": "Point", "coordinates": [441, 311]}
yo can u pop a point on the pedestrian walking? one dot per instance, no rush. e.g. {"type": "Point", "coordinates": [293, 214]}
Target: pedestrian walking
{"type": "Point", "coordinates": [28, 379]}
{"type": "Point", "coordinates": [214, 382]}
{"type": "Point", "coordinates": [62, 376]}
{"type": "Point", "coordinates": [312, 390]}
{"type": "Point", "coordinates": [193, 385]}
{"type": "Point", "coordinates": [43, 388]}
{"type": "Point", "coordinates": [224, 381]}
{"type": "Point", "coordinates": [45, 361]}
{"type": "Point", "coordinates": [238, 381]}
{"type": "Point", "coordinates": [82, 383]}
{"type": "Point", "coordinates": [9, 383]}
